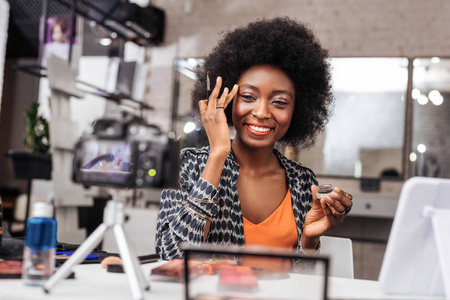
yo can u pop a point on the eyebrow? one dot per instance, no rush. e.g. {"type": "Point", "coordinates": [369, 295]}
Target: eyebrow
{"type": "Point", "coordinates": [273, 92]}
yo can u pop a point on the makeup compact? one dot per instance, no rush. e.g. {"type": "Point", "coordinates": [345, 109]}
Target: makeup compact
{"type": "Point", "coordinates": [324, 189]}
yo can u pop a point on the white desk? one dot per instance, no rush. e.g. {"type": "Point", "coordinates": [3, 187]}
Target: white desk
{"type": "Point", "coordinates": [93, 282]}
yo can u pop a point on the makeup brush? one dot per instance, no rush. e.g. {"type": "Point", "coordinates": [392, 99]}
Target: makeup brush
{"type": "Point", "coordinates": [208, 85]}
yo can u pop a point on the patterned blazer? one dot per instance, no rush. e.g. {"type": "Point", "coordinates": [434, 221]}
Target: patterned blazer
{"type": "Point", "coordinates": [182, 212]}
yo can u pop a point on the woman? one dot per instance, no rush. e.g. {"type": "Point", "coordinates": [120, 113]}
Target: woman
{"type": "Point", "coordinates": [272, 83]}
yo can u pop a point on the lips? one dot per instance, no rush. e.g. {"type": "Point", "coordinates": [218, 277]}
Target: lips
{"type": "Point", "coordinates": [258, 129]}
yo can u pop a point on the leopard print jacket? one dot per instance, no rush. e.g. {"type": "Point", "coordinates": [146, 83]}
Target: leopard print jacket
{"type": "Point", "coordinates": [180, 214]}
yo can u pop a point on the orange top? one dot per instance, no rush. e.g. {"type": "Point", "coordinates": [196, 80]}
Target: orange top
{"type": "Point", "coordinates": [278, 230]}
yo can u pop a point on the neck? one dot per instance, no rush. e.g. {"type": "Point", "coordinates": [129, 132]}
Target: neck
{"type": "Point", "coordinates": [254, 158]}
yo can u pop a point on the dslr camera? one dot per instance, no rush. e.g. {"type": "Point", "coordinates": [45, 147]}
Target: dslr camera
{"type": "Point", "coordinates": [126, 153]}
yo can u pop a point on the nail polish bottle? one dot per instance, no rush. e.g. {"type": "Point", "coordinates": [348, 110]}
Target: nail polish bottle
{"type": "Point", "coordinates": [40, 245]}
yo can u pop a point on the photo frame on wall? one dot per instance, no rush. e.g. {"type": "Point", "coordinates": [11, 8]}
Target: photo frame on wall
{"type": "Point", "coordinates": [61, 39]}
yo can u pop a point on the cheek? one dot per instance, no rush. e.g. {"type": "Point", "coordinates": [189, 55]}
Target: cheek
{"type": "Point", "coordinates": [285, 119]}
{"type": "Point", "coordinates": [239, 110]}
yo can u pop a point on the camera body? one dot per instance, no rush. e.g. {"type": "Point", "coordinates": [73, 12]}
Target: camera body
{"type": "Point", "coordinates": [127, 153]}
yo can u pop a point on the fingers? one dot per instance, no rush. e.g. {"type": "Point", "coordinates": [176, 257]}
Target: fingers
{"type": "Point", "coordinates": [325, 207]}
{"type": "Point", "coordinates": [340, 201]}
{"type": "Point", "coordinates": [215, 93]}
{"type": "Point", "coordinates": [226, 97]}
{"type": "Point", "coordinates": [344, 198]}
{"type": "Point", "coordinates": [316, 201]}
{"type": "Point", "coordinates": [220, 102]}
{"type": "Point", "coordinates": [314, 191]}
{"type": "Point", "coordinates": [231, 95]}
{"type": "Point", "coordinates": [202, 106]}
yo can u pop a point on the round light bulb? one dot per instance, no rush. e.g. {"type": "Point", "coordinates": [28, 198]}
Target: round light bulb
{"type": "Point", "coordinates": [435, 97]}
{"type": "Point", "coordinates": [422, 100]}
{"type": "Point", "coordinates": [435, 60]}
{"type": "Point", "coordinates": [439, 100]}
{"type": "Point", "coordinates": [421, 148]}
{"type": "Point", "coordinates": [189, 127]}
{"type": "Point", "coordinates": [415, 93]}
{"type": "Point", "coordinates": [105, 42]}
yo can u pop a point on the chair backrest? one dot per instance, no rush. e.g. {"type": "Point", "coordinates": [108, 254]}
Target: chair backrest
{"type": "Point", "coordinates": [340, 252]}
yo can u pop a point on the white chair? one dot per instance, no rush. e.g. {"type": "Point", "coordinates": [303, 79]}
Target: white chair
{"type": "Point", "coordinates": [340, 253]}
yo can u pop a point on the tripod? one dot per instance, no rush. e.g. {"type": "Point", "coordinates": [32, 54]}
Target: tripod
{"type": "Point", "coordinates": [113, 218]}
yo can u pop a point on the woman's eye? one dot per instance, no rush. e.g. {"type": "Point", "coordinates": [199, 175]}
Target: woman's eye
{"type": "Point", "coordinates": [247, 97]}
{"type": "Point", "coordinates": [280, 103]}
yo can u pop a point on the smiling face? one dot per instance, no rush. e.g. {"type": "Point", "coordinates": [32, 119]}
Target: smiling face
{"type": "Point", "coordinates": [263, 107]}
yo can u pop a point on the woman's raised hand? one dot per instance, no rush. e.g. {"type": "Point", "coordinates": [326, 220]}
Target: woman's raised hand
{"type": "Point", "coordinates": [214, 120]}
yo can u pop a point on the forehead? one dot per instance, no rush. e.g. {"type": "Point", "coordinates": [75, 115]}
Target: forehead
{"type": "Point", "coordinates": [264, 75]}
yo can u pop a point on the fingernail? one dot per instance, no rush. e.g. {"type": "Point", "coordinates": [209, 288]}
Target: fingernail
{"type": "Point", "coordinates": [235, 86]}
{"type": "Point", "coordinates": [337, 189]}
{"type": "Point", "coordinates": [217, 79]}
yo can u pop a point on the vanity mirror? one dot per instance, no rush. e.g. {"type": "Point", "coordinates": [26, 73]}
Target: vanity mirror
{"type": "Point", "coordinates": [365, 135]}
{"type": "Point", "coordinates": [430, 140]}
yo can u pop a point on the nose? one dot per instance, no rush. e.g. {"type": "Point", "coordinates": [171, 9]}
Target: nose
{"type": "Point", "coordinates": [261, 109]}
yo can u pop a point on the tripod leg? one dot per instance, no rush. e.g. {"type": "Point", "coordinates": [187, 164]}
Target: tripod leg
{"type": "Point", "coordinates": [77, 257]}
{"type": "Point", "coordinates": [131, 269]}
{"type": "Point", "coordinates": [142, 282]}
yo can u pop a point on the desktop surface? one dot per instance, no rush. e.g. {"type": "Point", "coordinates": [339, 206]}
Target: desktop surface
{"type": "Point", "coordinates": [93, 282]}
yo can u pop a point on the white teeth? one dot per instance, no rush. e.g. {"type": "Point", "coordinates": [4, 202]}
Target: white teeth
{"type": "Point", "coordinates": [260, 129]}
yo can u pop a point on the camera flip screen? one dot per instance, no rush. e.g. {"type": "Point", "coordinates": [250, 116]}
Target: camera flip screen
{"type": "Point", "coordinates": [105, 161]}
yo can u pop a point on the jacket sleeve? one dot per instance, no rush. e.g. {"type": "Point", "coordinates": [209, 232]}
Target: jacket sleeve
{"type": "Point", "coordinates": [183, 213]}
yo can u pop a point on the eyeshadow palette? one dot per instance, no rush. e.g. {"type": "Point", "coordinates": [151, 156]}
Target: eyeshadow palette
{"type": "Point", "coordinates": [10, 269]}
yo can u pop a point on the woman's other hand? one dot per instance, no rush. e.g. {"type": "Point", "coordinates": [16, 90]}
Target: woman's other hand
{"type": "Point", "coordinates": [214, 120]}
{"type": "Point", "coordinates": [325, 214]}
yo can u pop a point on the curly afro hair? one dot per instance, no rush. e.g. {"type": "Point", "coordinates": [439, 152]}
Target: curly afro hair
{"type": "Point", "coordinates": [293, 48]}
